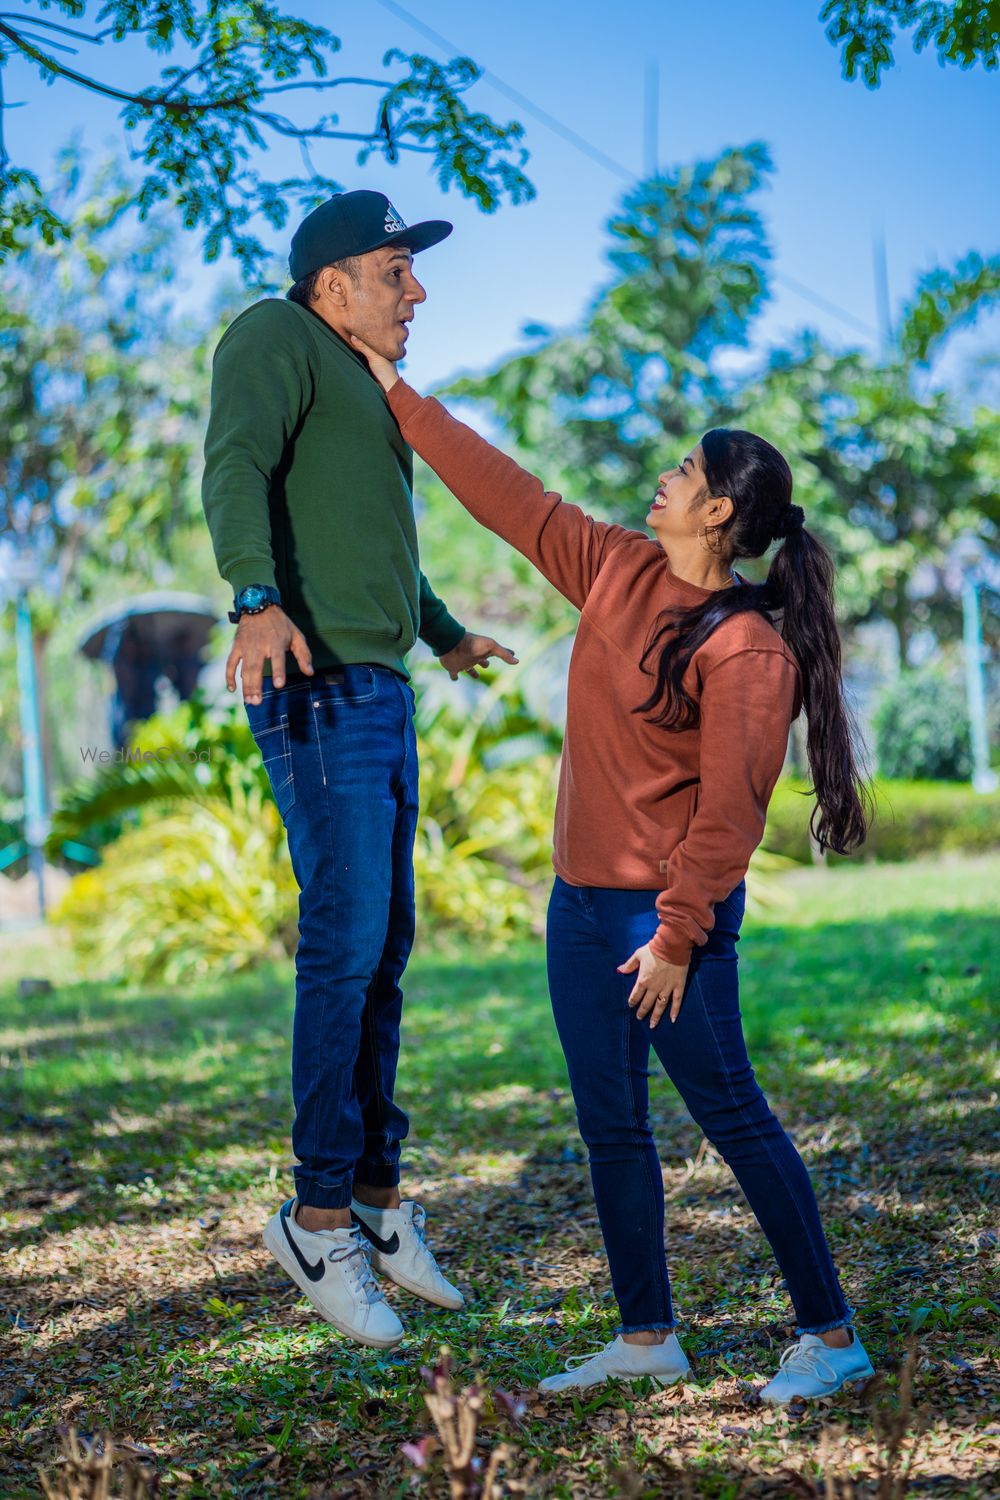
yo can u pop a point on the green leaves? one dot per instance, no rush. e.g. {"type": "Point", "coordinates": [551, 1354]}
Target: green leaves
{"type": "Point", "coordinates": [199, 125]}
{"type": "Point", "coordinates": [689, 252]}
{"type": "Point", "coordinates": [963, 32]}
{"type": "Point", "coordinates": [947, 299]}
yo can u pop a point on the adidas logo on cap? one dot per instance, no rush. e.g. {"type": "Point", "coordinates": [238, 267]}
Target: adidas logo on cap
{"type": "Point", "coordinates": [393, 223]}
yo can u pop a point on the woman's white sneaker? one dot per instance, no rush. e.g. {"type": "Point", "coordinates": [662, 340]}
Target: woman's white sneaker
{"type": "Point", "coordinates": [333, 1268]}
{"type": "Point", "coordinates": [399, 1251]}
{"type": "Point", "coordinates": [663, 1363]}
{"type": "Point", "coordinates": [811, 1368]}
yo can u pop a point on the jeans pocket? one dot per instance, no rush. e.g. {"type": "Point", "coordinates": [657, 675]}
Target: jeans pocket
{"type": "Point", "coordinates": [336, 688]}
{"type": "Point", "coordinates": [276, 752]}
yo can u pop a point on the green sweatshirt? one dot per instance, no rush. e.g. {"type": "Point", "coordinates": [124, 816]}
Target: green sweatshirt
{"type": "Point", "coordinates": [308, 487]}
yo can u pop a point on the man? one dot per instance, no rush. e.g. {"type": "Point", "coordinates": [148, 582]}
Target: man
{"type": "Point", "coordinates": [308, 496]}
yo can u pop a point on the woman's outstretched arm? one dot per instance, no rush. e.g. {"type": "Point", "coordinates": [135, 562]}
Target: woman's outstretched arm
{"type": "Point", "coordinates": [563, 543]}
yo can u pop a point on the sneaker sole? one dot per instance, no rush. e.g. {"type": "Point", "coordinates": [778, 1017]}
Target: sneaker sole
{"type": "Point", "coordinates": [274, 1247]}
{"type": "Point", "coordinates": [384, 1269]}
{"type": "Point", "coordinates": [854, 1378]}
{"type": "Point", "coordinates": [660, 1380]}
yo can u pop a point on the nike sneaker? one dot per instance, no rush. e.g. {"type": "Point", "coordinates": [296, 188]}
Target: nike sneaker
{"type": "Point", "coordinates": [333, 1268]}
{"type": "Point", "coordinates": [396, 1239]}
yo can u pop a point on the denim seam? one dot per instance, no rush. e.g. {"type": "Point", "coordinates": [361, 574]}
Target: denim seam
{"type": "Point", "coordinates": [382, 1160]}
{"type": "Point", "coordinates": [329, 888]}
{"type": "Point", "coordinates": [774, 1161]}
{"type": "Point", "coordinates": [376, 1069]}
{"type": "Point", "coordinates": [655, 1250]}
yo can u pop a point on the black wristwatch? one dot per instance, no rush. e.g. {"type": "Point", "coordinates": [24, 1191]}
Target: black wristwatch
{"type": "Point", "coordinates": [252, 600]}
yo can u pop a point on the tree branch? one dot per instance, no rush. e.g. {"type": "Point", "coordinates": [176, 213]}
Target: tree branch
{"type": "Point", "coordinates": [81, 36]}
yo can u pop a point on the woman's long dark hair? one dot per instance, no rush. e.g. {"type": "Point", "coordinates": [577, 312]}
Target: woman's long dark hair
{"type": "Point", "coordinates": [799, 588]}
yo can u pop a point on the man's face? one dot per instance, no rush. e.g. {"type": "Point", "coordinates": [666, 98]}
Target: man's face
{"type": "Point", "coordinates": [379, 306]}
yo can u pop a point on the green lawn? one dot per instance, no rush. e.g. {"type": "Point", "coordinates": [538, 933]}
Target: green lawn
{"type": "Point", "coordinates": [144, 1139]}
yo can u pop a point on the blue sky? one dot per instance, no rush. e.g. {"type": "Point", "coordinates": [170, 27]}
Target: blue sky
{"type": "Point", "coordinates": [915, 161]}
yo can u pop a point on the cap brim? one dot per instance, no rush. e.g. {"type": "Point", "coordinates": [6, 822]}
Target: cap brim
{"type": "Point", "coordinates": [420, 236]}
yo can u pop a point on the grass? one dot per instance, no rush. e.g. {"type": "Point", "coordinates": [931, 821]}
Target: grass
{"type": "Point", "coordinates": [144, 1139]}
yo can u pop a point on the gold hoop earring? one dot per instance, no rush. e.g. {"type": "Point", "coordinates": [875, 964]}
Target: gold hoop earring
{"type": "Point", "coordinates": [711, 537]}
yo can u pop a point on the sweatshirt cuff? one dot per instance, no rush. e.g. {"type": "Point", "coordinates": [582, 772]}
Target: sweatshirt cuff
{"type": "Point", "coordinates": [251, 570]}
{"type": "Point", "coordinates": [404, 401]}
{"type": "Point", "coordinates": [444, 635]}
{"type": "Point", "coordinates": [669, 949]}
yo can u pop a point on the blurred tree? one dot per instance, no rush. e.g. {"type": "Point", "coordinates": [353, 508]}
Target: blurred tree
{"type": "Point", "coordinates": [891, 470]}
{"type": "Point", "coordinates": [600, 410]}
{"type": "Point", "coordinates": [103, 395]}
{"type": "Point", "coordinates": [198, 121]}
{"type": "Point", "coordinates": [103, 392]}
{"type": "Point", "coordinates": [963, 32]}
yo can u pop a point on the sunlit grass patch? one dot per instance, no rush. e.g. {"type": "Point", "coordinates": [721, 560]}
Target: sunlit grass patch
{"type": "Point", "coordinates": [144, 1140]}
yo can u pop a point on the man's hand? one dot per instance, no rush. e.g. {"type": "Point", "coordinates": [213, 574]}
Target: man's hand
{"type": "Point", "coordinates": [657, 985]}
{"type": "Point", "coordinates": [265, 637]}
{"type": "Point", "coordinates": [474, 651]}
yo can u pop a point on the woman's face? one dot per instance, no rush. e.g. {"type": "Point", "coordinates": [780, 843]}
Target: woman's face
{"type": "Point", "coordinates": [675, 513]}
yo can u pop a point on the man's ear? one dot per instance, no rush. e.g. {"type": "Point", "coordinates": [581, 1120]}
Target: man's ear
{"type": "Point", "coordinates": [332, 284]}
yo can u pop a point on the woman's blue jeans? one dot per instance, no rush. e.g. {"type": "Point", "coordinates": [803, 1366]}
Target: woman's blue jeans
{"type": "Point", "coordinates": [590, 931]}
{"type": "Point", "coordinates": [341, 754]}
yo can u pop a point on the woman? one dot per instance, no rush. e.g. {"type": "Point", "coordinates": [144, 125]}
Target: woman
{"type": "Point", "coordinates": [681, 694]}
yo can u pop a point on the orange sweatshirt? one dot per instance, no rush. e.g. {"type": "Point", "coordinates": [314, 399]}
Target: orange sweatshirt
{"type": "Point", "coordinates": [639, 807]}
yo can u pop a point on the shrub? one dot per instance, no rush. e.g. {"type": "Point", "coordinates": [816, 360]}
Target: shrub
{"type": "Point", "coordinates": [202, 889]}
{"type": "Point", "coordinates": [200, 880]}
{"type": "Point", "coordinates": [921, 728]}
{"type": "Point", "coordinates": [912, 818]}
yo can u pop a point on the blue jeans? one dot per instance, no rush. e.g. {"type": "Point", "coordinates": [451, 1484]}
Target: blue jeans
{"type": "Point", "coordinates": [340, 752]}
{"type": "Point", "coordinates": [590, 931]}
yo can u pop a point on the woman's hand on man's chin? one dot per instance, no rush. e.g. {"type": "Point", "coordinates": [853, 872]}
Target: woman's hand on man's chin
{"type": "Point", "coordinates": [383, 369]}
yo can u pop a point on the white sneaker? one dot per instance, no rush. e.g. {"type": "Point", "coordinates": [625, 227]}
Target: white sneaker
{"type": "Point", "coordinates": [333, 1268]}
{"type": "Point", "coordinates": [398, 1251]}
{"type": "Point", "coordinates": [811, 1368]}
{"type": "Point", "coordinates": [663, 1363]}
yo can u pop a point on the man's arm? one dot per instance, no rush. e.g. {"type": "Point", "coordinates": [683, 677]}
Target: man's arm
{"type": "Point", "coordinates": [438, 629]}
{"type": "Point", "coordinates": [457, 649]}
{"type": "Point", "coordinates": [262, 382]}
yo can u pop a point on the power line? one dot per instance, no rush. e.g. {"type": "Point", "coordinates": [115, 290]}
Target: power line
{"type": "Point", "coordinates": [521, 100]}
{"type": "Point", "coordinates": [819, 300]}
{"type": "Point", "coordinates": [601, 157]}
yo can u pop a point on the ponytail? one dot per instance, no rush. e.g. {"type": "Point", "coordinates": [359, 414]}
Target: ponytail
{"type": "Point", "coordinates": [799, 589]}
{"type": "Point", "coordinates": [801, 576]}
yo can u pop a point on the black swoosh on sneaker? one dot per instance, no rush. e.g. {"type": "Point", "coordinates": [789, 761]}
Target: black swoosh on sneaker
{"type": "Point", "coordinates": [316, 1272]}
{"type": "Point", "coordinates": [387, 1247]}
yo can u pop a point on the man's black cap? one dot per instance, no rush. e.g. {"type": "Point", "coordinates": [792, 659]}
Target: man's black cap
{"type": "Point", "coordinates": [352, 224]}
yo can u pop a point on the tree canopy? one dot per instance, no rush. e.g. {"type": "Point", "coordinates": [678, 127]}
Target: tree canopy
{"type": "Point", "coordinates": [890, 470]}
{"type": "Point", "coordinates": [235, 67]}
{"type": "Point", "coordinates": [963, 32]}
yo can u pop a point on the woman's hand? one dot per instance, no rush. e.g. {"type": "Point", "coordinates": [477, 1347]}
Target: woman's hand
{"type": "Point", "coordinates": [657, 986]}
{"type": "Point", "coordinates": [383, 369]}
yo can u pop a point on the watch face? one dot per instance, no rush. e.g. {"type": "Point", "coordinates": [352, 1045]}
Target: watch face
{"type": "Point", "coordinates": [252, 596]}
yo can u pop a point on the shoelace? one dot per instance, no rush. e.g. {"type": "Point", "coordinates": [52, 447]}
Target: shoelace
{"type": "Point", "coordinates": [418, 1221]}
{"type": "Point", "coordinates": [576, 1360]}
{"type": "Point", "coordinates": [809, 1359]}
{"type": "Point", "coordinates": [357, 1263]}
